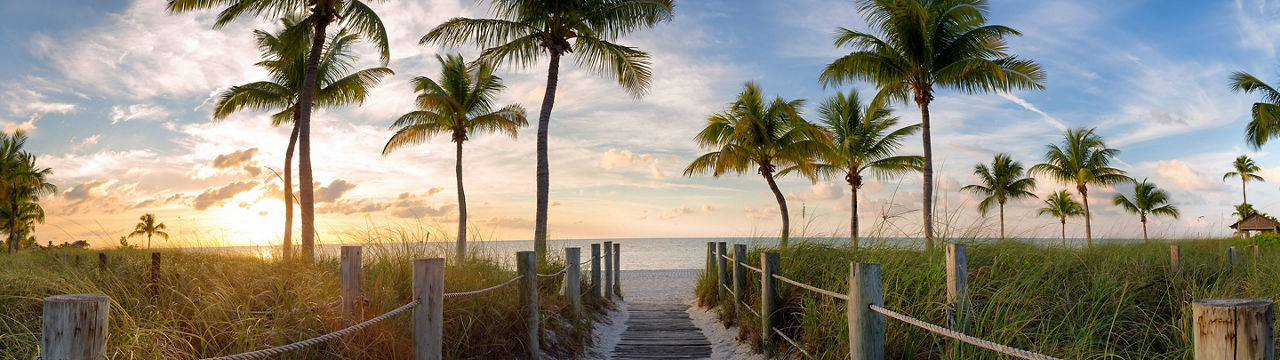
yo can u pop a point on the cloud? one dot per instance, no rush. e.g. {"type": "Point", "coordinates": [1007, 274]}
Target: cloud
{"type": "Point", "coordinates": [760, 214]}
{"type": "Point", "coordinates": [333, 191]}
{"type": "Point", "coordinates": [242, 160]}
{"type": "Point", "coordinates": [91, 140]}
{"type": "Point", "coordinates": [1176, 174]}
{"type": "Point", "coordinates": [711, 207]}
{"type": "Point", "coordinates": [137, 112]}
{"type": "Point", "coordinates": [94, 196]}
{"type": "Point", "coordinates": [825, 190]}
{"type": "Point", "coordinates": [28, 125]}
{"type": "Point", "coordinates": [676, 212]}
{"type": "Point", "coordinates": [509, 222]}
{"type": "Point", "coordinates": [1027, 105]}
{"type": "Point", "coordinates": [87, 191]}
{"type": "Point", "coordinates": [217, 196]}
{"type": "Point", "coordinates": [23, 101]}
{"type": "Point", "coordinates": [615, 159]}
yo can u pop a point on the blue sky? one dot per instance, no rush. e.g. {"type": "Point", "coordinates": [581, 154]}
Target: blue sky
{"type": "Point", "coordinates": [117, 97]}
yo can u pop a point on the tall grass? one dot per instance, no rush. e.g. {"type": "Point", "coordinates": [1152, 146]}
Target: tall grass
{"type": "Point", "coordinates": [1111, 301]}
{"type": "Point", "coordinates": [215, 304]}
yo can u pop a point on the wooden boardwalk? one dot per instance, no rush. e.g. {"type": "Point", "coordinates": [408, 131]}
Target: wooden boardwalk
{"type": "Point", "coordinates": [661, 331]}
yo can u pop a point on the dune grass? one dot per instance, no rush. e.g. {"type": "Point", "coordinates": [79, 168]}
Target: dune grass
{"type": "Point", "coordinates": [207, 312]}
{"type": "Point", "coordinates": [1111, 301]}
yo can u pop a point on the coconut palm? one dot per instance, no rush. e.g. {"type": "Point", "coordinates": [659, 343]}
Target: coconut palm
{"type": "Point", "coordinates": [1147, 200]}
{"type": "Point", "coordinates": [460, 104]}
{"type": "Point", "coordinates": [284, 56]}
{"type": "Point", "coordinates": [1000, 182]}
{"type": "Point", "coordinates": [1244, 211]}
{"type": "Point", "coordinates": [147, 226]}
{"type": "Point", "coordinates": [22, 183]}
{"type": "Point", "coordinates": [863, 139]}
{"type": "Point", "coordinates": [763, 135]}
{"type": "Point", "coordinates": [1265, 122]}
{"type": "Point", "coordinates": [927, 45]}
{"type": "Point", "coordinates": [1060, 205]}
{"type": "Point", "coordinates": [524, 31]}
{"type": "Point", "coordinates": [1246, 170]}
{"type": "Point", "coordinates": [351, 14]}
{"type": "Point", "coordinates": [1082, 159]}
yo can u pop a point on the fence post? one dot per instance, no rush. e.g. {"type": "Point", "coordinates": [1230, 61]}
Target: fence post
{"type": "Point", "coordinates": [722, 271]}
{"type": "Point", "coordinates": [739, 278]}
{"type": "Point", "coordinates": [349, 292]}
{"type": "Point", "coordinates": [1233, 329]}
{"type": "Point", "coordinates": [595, 273]}
{"type": "Point", "coordinates": [866, 327]}
{"type": "Point", "coordinates": [768, 301]}
{"type": "Point", "coordinates": [428, 315]}
{"type": "Point", "coordinates": [608, 270]}
{"type": "Point", "coordinates": [1256, 257]}
{"type": "Point", "coordinates": [102, 260]}
{"type": "Point", "coordinates": [527, 266]}
{"type": "Point", "coordinates": [711, 252]}
{"type": "Point", "coordinates": [958, 285]}
{"type": "Point", "coordinates": [617, 270]}
{"type": "Point", "coordinates": [155, 273]}
{"type": "Point", "coordinates": [74, 327]}
{"type": "Point", "coordinates": [1175, 259]}
{"type": "Point", "coordinates": [572, 280]}
{"type": "Point", "coordinates": [1232, 259]}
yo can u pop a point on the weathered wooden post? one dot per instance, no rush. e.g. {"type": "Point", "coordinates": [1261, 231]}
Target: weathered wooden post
{"type": "Point", "coordinates": [155, 274]}
{"type": "Point", "coordinates": [617, 269]}
{"type": "Point", "coordinates": [722, 272]}
{"type": "Point", "coordinates": [527, 266]}
{"type": "Point", "coordinates": [1230, 329]}
{"type": "Point", "coordinates": [572, 280]}
{"type": "Point", "coordinates": [349, 291]}
{"type": "Point", "coordinates": [711, 253]}
{"type": "Point", "coordinates": [739, 278]}
{"type": "Point", "coordinates": [102, 260]}
{"type": "Point", "coordinates": [608, 270]}
{"type": "Point", "coordinates": [74, 327]}
{"type": "Point", "coordinates": [1232, 259]}
{"type": "Point", "coordinates": [866, 326]}
{"type": "Point", "coordinates": [595, 273]}
{"type": "Point", "coordinates": [1256, 257]}
{"type": "Point", "coordinates": [77, 260]}
{"type": "Point", "coordinates": [428, 315]}
{"type": "Point", "coordinates": [958, 285]}
{"type": "Point", "coordinates": [769, 262]}
{"type": "Point", "coordinates": [1175, 259]}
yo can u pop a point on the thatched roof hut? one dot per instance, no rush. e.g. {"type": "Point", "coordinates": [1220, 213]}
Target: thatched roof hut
{"type": "Point", "coordinates": [1257, 222]}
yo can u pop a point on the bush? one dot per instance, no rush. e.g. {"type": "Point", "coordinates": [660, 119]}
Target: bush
{"type": "Point", "coordinates": [1263, 239]}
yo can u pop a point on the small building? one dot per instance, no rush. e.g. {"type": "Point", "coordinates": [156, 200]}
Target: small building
{"type": "Point", "coordinates": [1256, 222]}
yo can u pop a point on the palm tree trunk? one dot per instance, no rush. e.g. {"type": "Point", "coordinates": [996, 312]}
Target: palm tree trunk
{"type": "Point", "coordinates": [1001, 221]}
{"type": "Point", "coordinates": [321, 16]}
{"type": "Point", "coordinates": [853, 217]}
{"type": "Point", "coordinates": [1088, 230]}
{"type": "Point", "coordinates": [1063, 220]}
{"type": "Point", "coordinates": [287, 248]}
{"type": "Point", "coordinates": [1244, 193]}
{"type": "Point", "coordinates": [148, 241]}
{"type": "Point", "coordinates": [544, 171]}
{"type": "Point", "coordinates": [1144, 229]}
{"type": "Point", "coordinates": [782, 206]}
{"type": "Point", "coordinates": [927, 171]}
{"type": "Point", "coordinates": [462, 207]}
{"type": "Point", "coordinates": [11, 243]}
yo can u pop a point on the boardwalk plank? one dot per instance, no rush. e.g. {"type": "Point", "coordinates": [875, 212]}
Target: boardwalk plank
{"type": "Point", "coordinates": [661, 331]}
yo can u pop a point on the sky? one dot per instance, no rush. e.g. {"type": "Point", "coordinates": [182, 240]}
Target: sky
{"type": "Point", "coordinates": [117, 98]}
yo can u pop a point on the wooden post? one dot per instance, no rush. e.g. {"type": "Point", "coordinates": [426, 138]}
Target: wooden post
{"type": "Point", "coordinates": [958, 285]}
{"type": "Point", "coordinates": [711, 253]}
{"type": "Point", "coordinates": [74, 327]}
{"type": "Point", "coordinates": [866, 326]}
{"type": "Point", "coordinates": [1232, 259]}
{"type": "Point", "coordinates": [595, 273]}
{"type": "Point", "coordinates": [428, 315]}
{"type": "Point", "coordinates": [1232, 329]}
{"type": "Point", "coordinates": [1256, 257]}
{"type": "Point", "coordinates": [722, 272]}
{"type": "Point", "coordinates": [1175, 259]}
{"type": "Point", "coordinates": [572, 280]}
{"type": "Point", "coordinates": [527, 266]}
{"type": "Point", "coordinates": [349, 293]}
{"type": "Point", "coordinates": [155, 274]}
{"type": "Point", "coordinates": [608, 270]}
{"type": "Point", "coordinates": [769, 262]}
{"type": "Point", "coordinates": [617, 270]}
{"type": "Point", "coordinates": [77, 260]}
{"type": "Point", "coordinates": [102, 260]}
{"type": "Point", "coordinates": [739, 278]}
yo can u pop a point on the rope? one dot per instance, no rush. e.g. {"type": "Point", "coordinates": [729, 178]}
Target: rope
{"type": "Point", "coordinates": [562, 271]}
{"type": "Point", "coordinates": [792, 342]}
{"type": "Point", "coordinates": [481, 291]}
{"type": "Point", "coordinates": [749, 267]}
{"type": "Point", "coordinates": [317, 340]}
{"type": "Point", "coordinates": [748, 307]}
{"type": "Point", "coordinates": [962, 337]}
{"type": "Point", "coordinates": [726, 257]}
{"type": "Point", "coordinates": [726, 288]}
{"type": "Point", "coordinates": [588, 260]}
{"type": "Point", "coordinates": [812, 288]}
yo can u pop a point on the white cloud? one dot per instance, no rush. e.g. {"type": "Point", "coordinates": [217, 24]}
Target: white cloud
{"type": "Point", "coordinates": [678, 211]}
{"type": "Point", "coordinates": [24, 101]}
{"type": "Point", "coordinates": [825, 190]}
{"type": "Point", "coordinates": [137, 112]}
{"type": "Point", "coordinates": [28, 125]}
{"type": "Point", "coordinates": [1176, 174]}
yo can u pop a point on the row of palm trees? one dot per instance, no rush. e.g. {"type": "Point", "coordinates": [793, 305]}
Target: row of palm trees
{"type": "Point", "coordinates": [521, 33]}
{"type": "Point", "coordinates": [22, 184]}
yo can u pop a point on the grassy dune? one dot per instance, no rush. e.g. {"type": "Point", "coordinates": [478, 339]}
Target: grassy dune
{"type": "Point", "coordinates": [1111, 301]}
{"type": "Point", "coordinates": [213, 318]}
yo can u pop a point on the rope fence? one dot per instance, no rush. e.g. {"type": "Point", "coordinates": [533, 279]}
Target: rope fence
{"type": "Point", "coordinates": [318, 339]}
{"type": "Point", "coordinates": [485, 290]}
{"type": "Point", "coordinates": [793, 343]}
{"type": "Point", "coordinates": [962, 337]}
{"type": "Point", "coordinates": [812, 288]}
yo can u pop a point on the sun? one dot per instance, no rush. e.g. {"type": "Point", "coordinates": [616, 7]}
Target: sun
{"type": "Point", "coordinates": [251, 220]}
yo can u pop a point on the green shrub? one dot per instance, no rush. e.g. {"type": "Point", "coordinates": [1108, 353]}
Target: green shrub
{"type": "Point", "coordinates": [1263, 239]}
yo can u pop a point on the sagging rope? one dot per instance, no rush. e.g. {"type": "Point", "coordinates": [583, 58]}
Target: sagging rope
{"type": "Point", "coordinates": [485, 290]}
{"type": "Point", "coordinates": [962, 337]}
{"type": "Point", "coordinates": [319, 339]}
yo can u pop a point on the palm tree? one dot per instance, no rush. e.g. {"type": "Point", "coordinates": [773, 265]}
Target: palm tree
{"type": "Point", "coordinates": [284, 57]}
{"type": "Point", "coordinates": [863, 138]}
{"type": "Point", "coordinates": [356, 15]}
{"type": "Point", "coordinates": [1265, 122]}
{"type": "Point", "coordinates": [1247, 171]}
{"type": "Point", "coordinates": [1004, 180]}
{"type": "Point", "coordinates": [460, 104]}
{"type": "Point", "coordinates": [1147, 200]}
{"type": "Point", "coordinates": [1061, 205]}
{"type": "Point", "coordinates": [1244, 211]}
{"type": "Point", "coordinates": [22, 183]}
{"type": "Point", "coordinates": [754, 134]}
{"type": "Point", "coordinates": [925, 45]}
{"type": "Point", "coordinates": [526, 30]}
{"type": "Point", "coordinates": [1082, 159]}
{"type": "Point", "coordinates": [147, 226]}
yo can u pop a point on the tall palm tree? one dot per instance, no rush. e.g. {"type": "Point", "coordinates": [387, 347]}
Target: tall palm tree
{"type": "Point", "coordinates": [863, 139]}
{"type": "Point", "coordinates": [759, 134]}
{"type": "Point", "coordinates": [1246, 170]}
{"type": "Point", "coordinates": [460, 104]}
{"type": "Point", "coordinates": [355, 15]}
{"type": "Point", "coordinates": [147, 226]}
{"type": "Point", "coordinates": [1147, 200]}
{"type": "Point", "coordinates": [523, 31]}
{"type": "Point", "coordinates": [284, 56]}
{"type": "Point", "coordinates": [1000, 182]}
{"type": "Point", "coordinates": [1062, 206]}
{"type": "Point", "coordinates": [1244, 211]}
{"type": "Point", "coordinates": [22, 183]}
{"type": "Point", "coordinates": [1082, 159]}
{"type": "Point", "coordinates": [926, 45]}
{"type": "Point", "coordinates": [1265, 122]}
